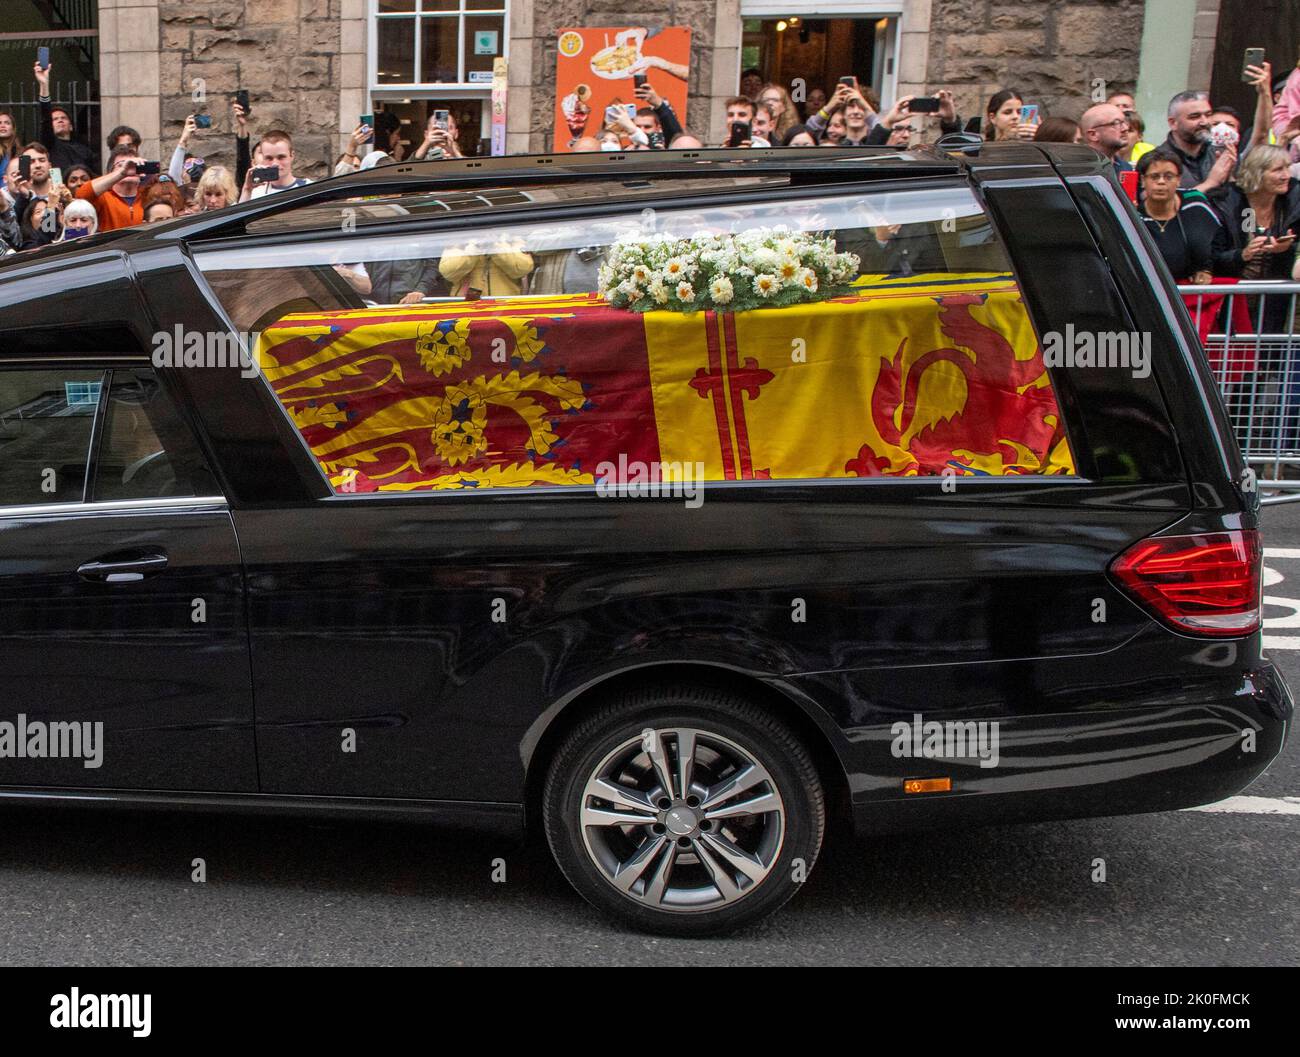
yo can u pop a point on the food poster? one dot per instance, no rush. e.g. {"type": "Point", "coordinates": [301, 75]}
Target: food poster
{"type": "Point", "coordinates": [595, 69]}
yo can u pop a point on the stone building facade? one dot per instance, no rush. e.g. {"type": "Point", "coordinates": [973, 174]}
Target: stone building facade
{"type": "Point", "coordinates": [311, 66]}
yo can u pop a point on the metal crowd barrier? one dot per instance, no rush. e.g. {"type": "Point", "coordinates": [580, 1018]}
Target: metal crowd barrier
{"type": "Point", "coordinates": [1249, 333]}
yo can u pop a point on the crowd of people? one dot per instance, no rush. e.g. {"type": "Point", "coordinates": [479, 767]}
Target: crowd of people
{"type": "Point", "coordinates": [53, 190]}
{"type": "Point", "coordinates": [1219, 199]}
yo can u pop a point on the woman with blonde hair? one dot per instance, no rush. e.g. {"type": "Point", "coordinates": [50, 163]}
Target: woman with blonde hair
{"type": "Point", "coordinates": [783, 109]}
{"type": "Point", "coordinates": [217, 188]}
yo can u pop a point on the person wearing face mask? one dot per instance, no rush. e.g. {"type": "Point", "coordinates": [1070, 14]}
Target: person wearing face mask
{"type": "Point", "coordinates": [79, 220]}
{"type": "Point", "coordinates": [116, 194]}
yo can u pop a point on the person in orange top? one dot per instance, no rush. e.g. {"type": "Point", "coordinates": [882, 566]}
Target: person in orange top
{"type": "Point", "coordinates": [116, 195]}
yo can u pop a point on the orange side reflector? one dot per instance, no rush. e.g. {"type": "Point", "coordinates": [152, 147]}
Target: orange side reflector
{"type": "Point", "coordinates": [927, 785]}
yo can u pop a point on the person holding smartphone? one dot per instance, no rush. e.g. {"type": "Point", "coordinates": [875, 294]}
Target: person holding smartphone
{"type": "Point", "coordinates": [57, 133]}
{"type": "Point", "coordinates": [176, 168]}
{"type": "Point", "coordinates": [116, 195]}
{"type": "Point", "coordinates": [35, 182]}
{"type": "Point", "coordinates": [276, 153]}
{"type": "Point", "coordinates": [1004, 117]}
{"type": "Point", "coordinates": [846, 98]}
{"type": "Point", "coordinates": [662, 110]}
{"type": "Point", "coordinates": [1262, 207]}
{"type": "Point", "coordinates": [439, 141]}
{"type": "Point", "coordinates": [739, 122]}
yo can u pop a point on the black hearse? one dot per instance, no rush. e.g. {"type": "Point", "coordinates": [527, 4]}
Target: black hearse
{"type": "Point", "coordinates": [367, 563]}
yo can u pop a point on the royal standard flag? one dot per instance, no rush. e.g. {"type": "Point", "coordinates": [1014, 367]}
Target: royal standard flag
{"type": "Point", "coordinates": [900, 377]}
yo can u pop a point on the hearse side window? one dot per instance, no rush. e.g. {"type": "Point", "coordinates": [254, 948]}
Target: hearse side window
{"type": "Point", "coordinates": [52, 419]}
{"type": "Point", "coordinates": [47, 420]}
{"type": "Point", "coordinates": [821, 336]}
{"type": "Point", "coordinates": [145, 451]}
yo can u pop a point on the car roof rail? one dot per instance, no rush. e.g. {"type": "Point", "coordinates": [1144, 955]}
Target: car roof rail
{"type": "Point", "coordinates": [961, 142]}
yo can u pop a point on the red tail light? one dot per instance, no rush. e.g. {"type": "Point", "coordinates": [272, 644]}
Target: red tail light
{"type": "Point", "coordinates": [1199, 585]}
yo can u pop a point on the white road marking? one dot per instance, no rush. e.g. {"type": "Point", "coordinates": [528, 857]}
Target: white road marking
{"type": "Point", "coordinates": [1289, 620]}
{"type": "Point", "coordinates": [1254, 805]}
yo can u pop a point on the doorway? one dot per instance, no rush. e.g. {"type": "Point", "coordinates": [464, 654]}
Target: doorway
{"type": "Point", "coordinates": [819, 51]}
{"type": "Point", "coordinates": [414, 115]}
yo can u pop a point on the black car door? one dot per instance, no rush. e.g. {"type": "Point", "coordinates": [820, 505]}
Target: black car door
{"type": "Point", "coordinates": [122, 624]}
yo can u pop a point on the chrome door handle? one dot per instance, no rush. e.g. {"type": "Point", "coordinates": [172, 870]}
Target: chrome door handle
{"type": "Point", "coordinates": [123, 571]}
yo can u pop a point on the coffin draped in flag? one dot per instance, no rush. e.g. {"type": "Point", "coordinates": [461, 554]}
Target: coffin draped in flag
{"type": "Point", "coordinates": [901, 377]}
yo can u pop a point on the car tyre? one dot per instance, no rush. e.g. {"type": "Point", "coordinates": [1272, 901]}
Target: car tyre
{"type": "Point", "coordinates": [731, 840]}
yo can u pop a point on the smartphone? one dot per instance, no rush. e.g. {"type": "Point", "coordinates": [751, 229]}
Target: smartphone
{"type": "Point", "coordinates": [1254, 57]}
{"type": "Point", "coordinates": [638, 79]}
{"type": "Point", "coordinates": [442, 119]}
{"type": "Point", "coordinates": [241, 97]}
{"type": "Point", "coordinates": [1029, 114]}
{"type": "Point", "coordinates": [24, 166]}
{"type": "Point", "coordinates": [852, 82]}
{"type": "Point", "coordinates": [631, 111]}
{"type": "Point", "coordinates": [740, 131]}
{"type": "Point", "coordinates": [56, 176]}
{"type": "Point", "coordinates": [1129, 182]}
{"type": "Point", "coordinates": [265, 174]}
{"type": "Point", "coordinates": [369, 121]}
{"type": "Point", "coordinates": [43, 57]}
{"type": "Point", "coordinates": [924, 104]}
{"type": "Point", "coordinates": [203, 120]}
{"type": "Point", "coordinates": [149, 168]}
{"type": "Point", "coordinates": [656, 141]}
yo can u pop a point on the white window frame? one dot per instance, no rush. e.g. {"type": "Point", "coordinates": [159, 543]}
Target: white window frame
{"type": "Point", "coordinates": [889, 47]}
{"type": "Point", "coordinates": [431, 89]}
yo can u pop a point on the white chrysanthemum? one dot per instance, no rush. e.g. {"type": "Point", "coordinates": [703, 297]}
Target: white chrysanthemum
{"type": "Point", "coordinates": [807, 278]}
{"type": "Point", "coordinates": [765, 260]}
{"type": "Point", "coordinates": [658, 290]}
{"type": "Point", "coordinates": [721, 290]}
{"type": "Point", "coordinates": [675, 267]}
{"type": "Point", "coordinates": [766, 285]}
{"type": "Point", "coordinates": [641, 273]}
{"type": "Point", "coordinates": [685, 292]}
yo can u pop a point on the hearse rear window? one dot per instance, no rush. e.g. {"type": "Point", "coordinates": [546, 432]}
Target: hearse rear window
{"type": "Point", "coordinates": [830, 336]}
{"type": "Point", "coordinates": [362, 210]}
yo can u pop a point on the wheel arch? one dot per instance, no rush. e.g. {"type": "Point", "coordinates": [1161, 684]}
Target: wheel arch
{"type": "Point", "coordinates": [806, 720]}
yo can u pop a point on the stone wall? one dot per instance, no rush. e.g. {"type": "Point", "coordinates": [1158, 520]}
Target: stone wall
{"type": "Point", "coordinates": [715, 40]}
{"type": "Point", "coordinates": [286, 53]}
{"type": "Point", "coordinates": [1050, 50]}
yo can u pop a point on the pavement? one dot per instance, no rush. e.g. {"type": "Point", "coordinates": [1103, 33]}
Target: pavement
{"type": "Point", "coordinates": [1206, 887]}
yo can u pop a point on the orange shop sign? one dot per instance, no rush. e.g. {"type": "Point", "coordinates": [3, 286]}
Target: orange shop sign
{"type": "Point", "coordinates": [595, 68]}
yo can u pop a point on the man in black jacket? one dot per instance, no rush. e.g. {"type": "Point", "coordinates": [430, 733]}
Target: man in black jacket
{"type": "Point", "coordinates": [56, 130]}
